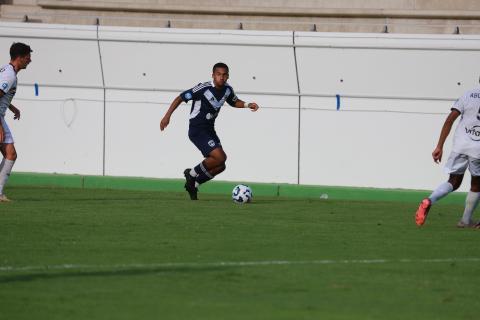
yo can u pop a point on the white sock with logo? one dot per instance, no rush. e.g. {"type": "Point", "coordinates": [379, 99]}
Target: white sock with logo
{"type": "Point", "coordinates": [5, 172]}
{"type": "Point", "coordinates": [193, 173]}
{"type": "Point", "coordinates": [441, 191]}
{"type": "Point", "coordinates": [470, 204]}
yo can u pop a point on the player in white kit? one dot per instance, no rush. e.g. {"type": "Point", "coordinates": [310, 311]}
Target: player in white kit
{"type": "Point", "coordinates": [19, 59]}
{"type": "Point", "coordinates": [465, 154]}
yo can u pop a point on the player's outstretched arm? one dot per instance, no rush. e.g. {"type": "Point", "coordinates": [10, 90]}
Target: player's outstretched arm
{"type": "Point", "coordinates": [242, 104]}
{"type": "Point", "coordinates": [447, 126]}
{"type": "Point", "coordinates": [16, 112]}
{"type": "Point", "coordinates": [166, 118]}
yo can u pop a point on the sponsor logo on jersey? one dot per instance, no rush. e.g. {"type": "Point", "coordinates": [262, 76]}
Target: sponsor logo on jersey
{"type": "Point", "coordinates": [473, 133]}
{"type": "Point", "coordinates": [4, 85]}
{"type": "Point", "coordinates": [475, 95]}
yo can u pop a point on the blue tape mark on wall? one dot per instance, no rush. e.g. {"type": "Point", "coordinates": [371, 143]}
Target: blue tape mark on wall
{"type": "Point", "coordinates": [338, 101]}
{"type": "Point", "coordinates": [36, 89]}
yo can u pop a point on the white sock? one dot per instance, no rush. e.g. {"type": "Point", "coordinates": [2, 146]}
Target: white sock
{"type": "Point", "coordinates": [441, 191]}
{"type": "Point", "coordinates": [193, 173]}
{"type": "Point", "coordinates": [5, 173]}
{"type": "Point", "coordinates": [196, 184]}
{"type": "Point", "coordinates": [470, 204]}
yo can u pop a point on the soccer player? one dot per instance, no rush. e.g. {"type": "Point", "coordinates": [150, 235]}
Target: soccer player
{"type": "Point", "coordinates": [20, 58]}
{"type": "Point", "coordinates": [208, 98]}
{"type": "Point", "coordinates": [465, 154]}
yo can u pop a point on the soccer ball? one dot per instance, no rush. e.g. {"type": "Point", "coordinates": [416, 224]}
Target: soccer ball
{"type": "Point", "coordinates": [242, 194]}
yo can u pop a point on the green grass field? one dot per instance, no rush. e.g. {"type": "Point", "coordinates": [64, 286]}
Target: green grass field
{"type": "Point", "coordinates": [112, 254]}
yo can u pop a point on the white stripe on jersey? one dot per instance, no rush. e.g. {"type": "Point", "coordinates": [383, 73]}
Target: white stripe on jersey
{"type": "Point", "coordinates": [196, 109]}
{"type": "Point", "coordinates": [200, 86]}
{"type": "Point", "coordinates": [213, 101]}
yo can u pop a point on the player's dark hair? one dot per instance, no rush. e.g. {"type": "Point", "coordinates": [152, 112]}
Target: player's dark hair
{"type": "Point", "coordinates": [220, 65]}
{"type": "Point", "coordinates": [19, 49]}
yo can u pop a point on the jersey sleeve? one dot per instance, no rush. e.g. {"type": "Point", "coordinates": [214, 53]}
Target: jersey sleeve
{"type": "Point", "coordinates": [232, 98]}
{"type": "Point", "coordinates": [6, 81]}
{"type": "Point", "coordinates": [192, 94]}
{"type": "Point", "coordinates": [460, 104]}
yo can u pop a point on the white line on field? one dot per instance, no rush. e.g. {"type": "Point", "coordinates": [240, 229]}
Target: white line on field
{"type": "Point", "coordinates": [179, 265]}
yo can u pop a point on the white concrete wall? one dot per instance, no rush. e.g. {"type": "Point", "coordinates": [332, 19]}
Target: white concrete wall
{"type": "Point", "coordinates": [395, 94]}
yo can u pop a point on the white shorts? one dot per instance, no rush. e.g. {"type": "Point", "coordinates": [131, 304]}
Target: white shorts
{"type": "Point", "coordinates": [7, 134]}
{"type": "Point", "coordinates": [458, 163]}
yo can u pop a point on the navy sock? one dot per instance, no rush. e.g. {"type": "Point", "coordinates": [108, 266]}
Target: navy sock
{"type": "Point", "coordinates": [203, 174]}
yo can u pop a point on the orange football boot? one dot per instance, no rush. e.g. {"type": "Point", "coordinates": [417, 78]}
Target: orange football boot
{"type": "Point", "coordinates": [422, 211]}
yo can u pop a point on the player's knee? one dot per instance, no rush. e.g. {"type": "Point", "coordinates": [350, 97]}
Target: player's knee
{"type": "Point", "coordinates": [11, 155]}
{"type": "Point", "coordinates": [220, 158]}
{"type": "Point", "coordinates": [455, 181]}
{"type": "Point", "coordinates": [455, 184]}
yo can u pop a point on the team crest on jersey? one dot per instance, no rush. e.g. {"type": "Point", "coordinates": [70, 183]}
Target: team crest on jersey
{"type": "Point", "coordinates": [188, 96]}
{"type": "Point", "coordinates": [211, 143]}
{"type": "Point", "coordinates": [4, 85]}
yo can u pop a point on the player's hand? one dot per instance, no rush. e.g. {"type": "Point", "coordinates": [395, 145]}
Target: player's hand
{"type": "Point", "coordinates": [164, 123]}
{"type": "Point", "coordinates": [16, 114]}
{"type": "Point", "coordinates": [253, 106]}
{"type": "Point", "coordinates": [437, 154]}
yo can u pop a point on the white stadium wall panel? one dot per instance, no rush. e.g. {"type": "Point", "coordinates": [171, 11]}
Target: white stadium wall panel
{"type": "Point", "coordinates": [61, 127]}
{"type": "Point", "coordinates": [161, 64]}
{"type": "Point", "coordinates": [259, 62]}
{"type": "Point", "coordinates": [62, 56]}
{"type": "Point", "coordinates": [394, 93]}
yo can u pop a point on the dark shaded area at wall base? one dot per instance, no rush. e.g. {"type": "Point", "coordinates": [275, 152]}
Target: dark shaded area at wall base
{"type": "Point", "coordinates": [225, 187]}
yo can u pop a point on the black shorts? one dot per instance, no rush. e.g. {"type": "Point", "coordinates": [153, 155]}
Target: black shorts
{"type": "Point", "coordinates": [204, 140]}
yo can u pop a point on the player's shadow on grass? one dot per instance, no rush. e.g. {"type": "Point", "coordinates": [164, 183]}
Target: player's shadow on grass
{"type": "Point", "coordinates": [137, 271]}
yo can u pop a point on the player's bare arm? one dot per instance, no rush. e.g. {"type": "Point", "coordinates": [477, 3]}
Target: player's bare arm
{"type": "Point", "coordinates": [16, 112]}
{"type": "Point", "coordinates": [447, 127]}
{"type": "Point", "coordinates": [166, 118]}
{"type": "Point", "coordinates": [242, 104]}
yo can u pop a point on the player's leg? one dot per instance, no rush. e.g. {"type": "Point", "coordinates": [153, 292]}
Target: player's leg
{"type": "Point", "coordinates": [10, 155]}
{"type": "Point", "coordinates": [215, 162]}
{"type": "Point", "coordinates": [471, 202]}
{"type": "Point", "coordinates": [453, 183]}
{"type": "Point", "coordinates": [473, 196]}
{"type": "Point", "coordinates": [209, 144]}
{"type": "Point", "coordinates": [455, 166]}
{"type": "Point", "coordinates": [212, 165]}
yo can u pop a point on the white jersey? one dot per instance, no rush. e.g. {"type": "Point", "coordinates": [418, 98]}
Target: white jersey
{"type": "Point", "coordinates": [8, 84]}
{"type": "Point", "coordinates": [467, 135]}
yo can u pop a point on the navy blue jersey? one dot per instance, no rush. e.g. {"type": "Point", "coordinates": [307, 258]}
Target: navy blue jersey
{"type": "Point", "coordinates": [206, 103]}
